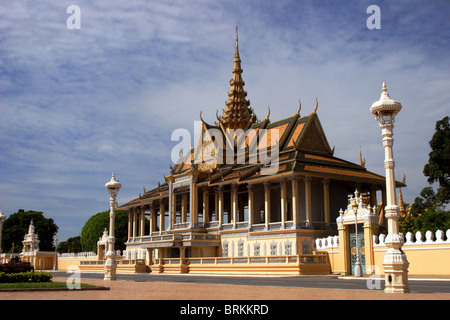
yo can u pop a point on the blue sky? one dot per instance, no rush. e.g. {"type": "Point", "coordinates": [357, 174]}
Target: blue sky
{"type": "Point", "coordinates": [76, 105]}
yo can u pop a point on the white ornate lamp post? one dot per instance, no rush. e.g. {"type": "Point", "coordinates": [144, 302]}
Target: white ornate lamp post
{"type": "Point", "coordinates": [55, 265]}
{"type": "Point", "coordinates": [113, 188]}
{"type": "Point", "coordinates": [395, 263]}
{"type": "Point", "coordinates": [358, 270]}
{"type": "Point", "coordinates": [2, 219]}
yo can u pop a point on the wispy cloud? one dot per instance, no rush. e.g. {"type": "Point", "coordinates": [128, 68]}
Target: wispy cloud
{"type": "Point", "coordinates": [78, 104]}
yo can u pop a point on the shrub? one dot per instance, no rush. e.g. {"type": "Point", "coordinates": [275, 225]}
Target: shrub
{"type": "Point", "coordinates": [16, 266]}
{"type": "Point", "coordinates": [25, 277]}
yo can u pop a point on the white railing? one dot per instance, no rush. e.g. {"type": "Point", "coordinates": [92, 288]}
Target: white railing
{"type": "Point", "coordinates": [410, 239]}
{"type": "Point", "coordinates": [418, 238]}
{"type": "Point", "coordinates": [86, 254]}
{"type": "Point", "coordinates": [327, 243]}
{"type": "Point", "coordinates": [77, 255]}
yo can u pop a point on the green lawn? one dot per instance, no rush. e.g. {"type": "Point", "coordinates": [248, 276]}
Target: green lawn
{"type": "Point", "coordinates": [27, 285]}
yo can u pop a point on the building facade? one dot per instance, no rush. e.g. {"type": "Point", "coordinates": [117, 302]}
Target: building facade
{"type": "Point", "coordinates": [250, 189]}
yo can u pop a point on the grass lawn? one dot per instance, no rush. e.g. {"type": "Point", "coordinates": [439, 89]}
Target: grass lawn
{"type": "Point", "coordinates": [39, 285]}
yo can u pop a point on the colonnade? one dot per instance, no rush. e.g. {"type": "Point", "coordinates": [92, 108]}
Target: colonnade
{"type": "Point", "coordinates": [302, 201]}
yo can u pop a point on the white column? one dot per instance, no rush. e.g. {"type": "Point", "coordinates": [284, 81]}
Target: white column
{"type": "Point", "coordinates": [266, 204]}
{"type": "Point", "coordinates": [283, 198]}
{"type": "Point", "coordinates": [171, 203]}
{"type": "Point", "coordinates": [295, 201]}
{"type": "Point", "coordinates": [162, 210]}
{"type": "Point", "coordinates": [308, 201]}
{"type": "Point", "coordinates": [250, 206]}
{"type": "Point", "coordinates": [395, 262]}
{"type": "Point", "coordinates": [134, 222]}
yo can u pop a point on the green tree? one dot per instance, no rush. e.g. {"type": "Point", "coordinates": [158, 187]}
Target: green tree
{"type": "Point", "coordinates": [427, 200]}
{"type": "Point", "coordinates": [438, 167]}
{"type": "Point", "coordinates": [437, 170]}
{"type": "Point", "coordinates": [94, 227]}
{"type": "Point", "coordinates": [70, 245]}
{"type": "Point", "coordinates": [16, 226]}
{"type": "Point", "coordinates": [428, 210]}
{"type": "Point", "coordinates": [432, 219]}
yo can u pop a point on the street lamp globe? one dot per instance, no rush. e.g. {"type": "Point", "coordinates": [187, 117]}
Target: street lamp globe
{"type": "Point", "coordinates": [386, 108]}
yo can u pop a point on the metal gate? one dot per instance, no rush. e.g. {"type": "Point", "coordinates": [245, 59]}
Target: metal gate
{"type": "Point", "coordinates": [352, 246]}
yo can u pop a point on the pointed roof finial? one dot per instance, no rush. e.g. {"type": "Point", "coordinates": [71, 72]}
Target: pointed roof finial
{"type": "Point", "coordinates": [362, 162]}
{"type": "Point", "coordinates": [237, 42]}
{"type": "Point", "coordinates": [317, 106]}
{"type": "Point", "coordinates": [384, 89]}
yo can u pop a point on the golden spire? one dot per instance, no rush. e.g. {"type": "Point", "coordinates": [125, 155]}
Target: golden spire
{"type": "Point", "coordinates": [362, 162]}
{"type": "Point", "coordinates": [237, 113]}
{"type": "Point", "coordinates": [401, 204]}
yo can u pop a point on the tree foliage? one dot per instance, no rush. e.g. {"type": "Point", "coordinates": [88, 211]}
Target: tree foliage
{"type": "Point", "coordinates": [70, 245]}
{"type": "Point", "coordinates": [16, 226]}
{"type": "Point", "coordinates": [94, 227]}
{"type": "Point", "coordinates": [438, 167]}
{"type": "Point", "coordinates": [428, 211]}
{"type": "Point", "coordinates": [432, 219]}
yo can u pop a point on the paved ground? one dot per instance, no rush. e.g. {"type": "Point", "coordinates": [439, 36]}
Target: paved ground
{"type": "Point", "coordinates": [159, 287]}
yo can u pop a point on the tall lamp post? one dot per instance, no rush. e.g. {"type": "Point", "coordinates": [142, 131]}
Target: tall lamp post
{"type": "Point", "coordinates": [55, 265]}
{"type": "Point", "coordinates": [2, 219]}
{"type": "Point", "coordinates": [395, 263]}
{"type": "Point", "coordinates": [358, 270]}
{"type": "Point", "coordinates": [113, 188]}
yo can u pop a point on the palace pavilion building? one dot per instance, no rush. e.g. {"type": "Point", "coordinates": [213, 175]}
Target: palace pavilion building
{"type": "Point", "coordinates": [251, 196]}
